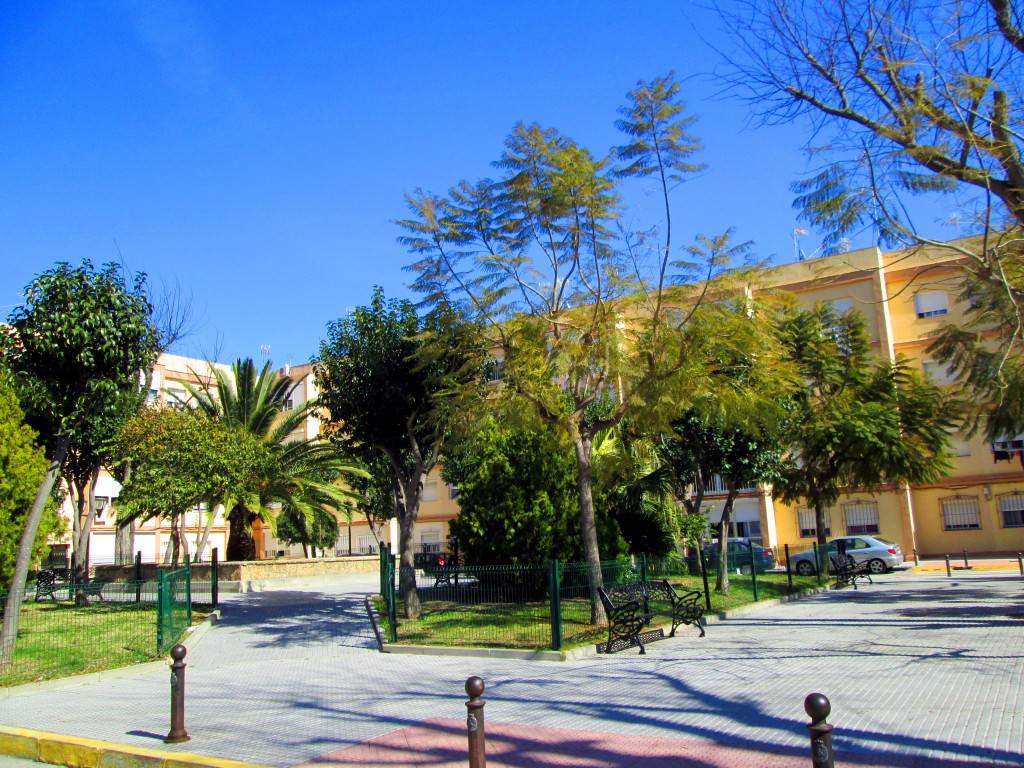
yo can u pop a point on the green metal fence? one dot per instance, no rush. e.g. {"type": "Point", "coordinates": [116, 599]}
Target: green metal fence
{"type": "Point", "coordinates": [555, 605]}
{"type": "Point", "coordinates": [101, 625]}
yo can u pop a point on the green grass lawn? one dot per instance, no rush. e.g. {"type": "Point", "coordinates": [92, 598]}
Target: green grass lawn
{"type": "Point", "coordinates": [59, 640]}
{"type": "Point", "coordinates": [525, 625]}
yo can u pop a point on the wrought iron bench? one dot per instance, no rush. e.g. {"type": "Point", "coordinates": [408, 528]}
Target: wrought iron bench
{"type": "Point", "coordinates": [442, 574]}
{"type": "Point", "coordinates": [628, 610]}
{"type": "Point", "coordinates": [847, 571]}
{"type": "Point", "coordinates": [48, 583]}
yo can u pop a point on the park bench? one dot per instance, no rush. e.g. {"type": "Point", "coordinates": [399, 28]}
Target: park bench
{"type": "Point", "coordinates": [47, 584]}
{"type": "Point", "coordinates": [628, 610]}
{"type": "Point", "coordinates": [443, 575]}
{"type": "Point", "coordinates": [847, 570]}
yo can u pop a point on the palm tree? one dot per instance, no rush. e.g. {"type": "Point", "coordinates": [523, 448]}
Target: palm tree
{"type": "Point", "coordinates": [308, 472]}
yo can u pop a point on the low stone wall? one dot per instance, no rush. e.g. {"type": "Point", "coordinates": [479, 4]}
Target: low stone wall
{"type": "Point", "coordinates": [237, 575]}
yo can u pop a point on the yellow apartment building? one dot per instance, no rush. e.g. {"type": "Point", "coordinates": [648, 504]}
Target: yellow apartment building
{"type": "Point", "coordinates": [904, 297]}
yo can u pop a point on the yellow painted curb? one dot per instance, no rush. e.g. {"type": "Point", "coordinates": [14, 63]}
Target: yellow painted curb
{"type": "Point", "coordinates": [77, 752]}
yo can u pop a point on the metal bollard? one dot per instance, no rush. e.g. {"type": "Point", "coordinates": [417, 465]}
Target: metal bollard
{"type": "Point", "coordinates": [1020, 563]}
{"type": "Point", "coordinates": [817, 707]}
{"type": "Point", "coordinates": [949, 571]}
{"type": "Point", "coordinates": [177, 734]}
{"type": "Point", "coordinates": [475, 722]}
{"type": "Point", "coordinates": [966, 565]}
{"type": "Point", "coordinates": [916, 561]}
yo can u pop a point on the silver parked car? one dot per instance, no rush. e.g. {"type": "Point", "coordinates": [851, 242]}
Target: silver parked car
{"type": "Point", "coordinates": [881, 555]}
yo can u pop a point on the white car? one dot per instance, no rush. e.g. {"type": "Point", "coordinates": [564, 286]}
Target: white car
{"type": "Point", "coordinates": [881, 555]}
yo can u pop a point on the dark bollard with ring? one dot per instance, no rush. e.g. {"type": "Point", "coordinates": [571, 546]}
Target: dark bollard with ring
{"type": "Point", "coordinates": [949, 572]}
{"type": "Point", "coordinates": [817, 707]}
{"type": "Point", "coordinates": [177, 734]}
{"type": "Point", "coordinates": [966, 564]}
{"type": "Point", "coordinates": [1020, 563]}
{"type": "Point", "coordinates": [475, 722]}
{"type": "Point", "coordinates": [916, 561]}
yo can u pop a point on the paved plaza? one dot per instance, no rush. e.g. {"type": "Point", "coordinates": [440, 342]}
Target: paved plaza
{"type": "Point", "coordinates": [921, 669]}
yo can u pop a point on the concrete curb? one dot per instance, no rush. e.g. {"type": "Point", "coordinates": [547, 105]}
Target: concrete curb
{"type": "Point", "coordinates": [118, 673]}
{"type": "Point", "coordinates": [570, 654]}
{"type": "Point", "coordinates": [89, 753]}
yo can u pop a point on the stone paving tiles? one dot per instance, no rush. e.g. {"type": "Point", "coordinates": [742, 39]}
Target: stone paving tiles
{"type": "Point", "coordinates": [922, 670]}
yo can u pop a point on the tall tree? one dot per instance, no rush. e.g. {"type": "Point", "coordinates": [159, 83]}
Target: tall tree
{"type": "Point", "coordinates": [384, 376]}
{"type": "Point", "coordinates": [585, 319]}
{"type": "Point", "coordinates": [859, 422]}
{"type": "Point", "coordinates": [906, 98]}
{"type": "Point", "coordinates": [81, 341]}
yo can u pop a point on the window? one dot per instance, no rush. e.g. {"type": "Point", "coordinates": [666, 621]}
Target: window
{"type": "Point", "coordinates": [1011, 507]}
{"type": "Point", "coordinates": [176, 398]}
{"type": "Point", "coordinates": [495, 370]}
{"type": "Point", "coordinates": [100, 503]}
{"type": "Point", "coordinates": [288, 405]}
{"type": "Point", "coordinates": [842, 306]}
{"type": "Point", "coordinates": [931, 303]}
{"type": "Point", "coordinates": [808, 530]}
{"type": "Point", "coordinates": [154, 395]}
{"type": "Point", "coordinates": [938, 372]}
{"type": "Point", "coordinates": [453, 492]}
{"type": "Point", "coordinates": [960, 513]}
{"type": "Point", "coordinates": [959, 445]}
{"type": "Point", "coordinates": [430, 541]}
{"type": "Point", "coordinates": [861, 517]}
{"type": "Point", "coordinates": [429, 491]}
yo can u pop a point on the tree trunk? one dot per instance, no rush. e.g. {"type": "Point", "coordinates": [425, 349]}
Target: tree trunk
{"type": "Point", "coordinates": [83, 530]}
{"type": "Point", "coordinates": [722, 580]}
{"type": "Point", "coordinates": [241, 545]}
{"type": "Point", "coordinates": [204, 540]}
{"type": "Point", "coordinates": [12, 608]}
{"type": "Point", "coordinates": [406, 536]}
{"type": "Point", "coordinates": [124, 542]}
{"type": "Point", "coordinates": [175, 542]}
{"type": "Point", "coordinates": [588, 522]}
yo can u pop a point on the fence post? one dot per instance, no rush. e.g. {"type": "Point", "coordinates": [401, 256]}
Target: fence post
{"type": "Point", "coordinates": [177, 733]}
{"type": "Point", "coordinates": [753, 572]}
{"type": "Point", "coordinates": [789, 571]}
{"type": "Point", "coordinates": [138, 576]}
{"type": "Point", "coordinates": [475, 722]}
{"type": "Point", "coordinates": [188, 592]}
{"type": "Point", "coordinates": [704, 577]}
{"type": "Point", "coordinates": [555, 590]}
{"type": "Point", "coordinates": [214, 578]}
{"type": "Point", "coordinates": [817, 562]}
{"type": "Point", "coordinates": [817, 707]}
{"type": "Point", "coordinates": [161, 589]}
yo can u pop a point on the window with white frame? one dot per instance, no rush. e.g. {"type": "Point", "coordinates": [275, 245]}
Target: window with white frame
{"type": "Point", "coordinates": [938, 372]}
{"type": "Point", "coordinates": [808, 527]}
{"type": "Point", "coordinates": [960, 513]}
{"type": "Point", "coordinates": [931, 303]}
{"type": "Point", "coordinates": [288, 404]}
{"type": "Point", "coordinates": [860, 517]}
{"type": "Point", "coordinates": [1011, 508]}
{"type": "Point", "coordinates": [958, 444]}
{"type": "Point", "coordinates": [430, 540]}
{"type": "Point", "coordinates": [453, 491]}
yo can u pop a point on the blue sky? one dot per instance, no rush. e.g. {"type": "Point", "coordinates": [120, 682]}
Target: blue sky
{"type": "Point", "coordinates": [257, 153]}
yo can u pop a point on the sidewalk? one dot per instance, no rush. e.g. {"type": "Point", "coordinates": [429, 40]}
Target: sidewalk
{"type": "Point", "coordinates": [922, 670]}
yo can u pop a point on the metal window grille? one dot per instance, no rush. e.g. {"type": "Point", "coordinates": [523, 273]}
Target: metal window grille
{"type": "Point", "coordinates": [366, 544]}
{"type": "Point", "coordinates": [1011, 507]}
{"type": "Point", "coordinates": [808, 530]}
{"type": "Point", "coordinates": [861, 517]}
{"type": "Point", "coordinates": [960, 513]}
{"type": "Point", "coordinates": [716, 484]}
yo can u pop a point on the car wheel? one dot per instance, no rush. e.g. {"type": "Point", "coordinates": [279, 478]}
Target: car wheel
{"type": "Point", "coordinates": [877, 566]}
{"type": "Point", "coordinates": [804, 567]}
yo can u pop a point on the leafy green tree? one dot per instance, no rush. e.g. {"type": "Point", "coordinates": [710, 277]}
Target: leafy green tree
{"type": "Point", "coordinates": [80, 342]}
{"type": "Point", "coordinates": [858, 422]}
{"type": "Point", "coordinates": [384, 376]}
{"type": "Point", "coordinates": [905, 98]}
{"type": "Point", "coordinates": [181, 458]}
{"type": "Point", "coordinates": [517, 496]}
{"type": "Point", "coordinates": [586, 320]}
{"type": "Point", "coordinates": [22, 466]}
{"type": "Point", "coordinates": [320, 532]}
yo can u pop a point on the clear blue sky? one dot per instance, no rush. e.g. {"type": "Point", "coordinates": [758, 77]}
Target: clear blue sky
{"type": "Point", "coordinates": [257, 153]}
